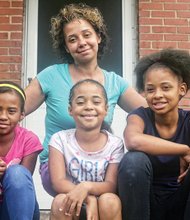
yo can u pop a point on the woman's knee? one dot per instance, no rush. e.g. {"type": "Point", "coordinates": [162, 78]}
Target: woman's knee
{"type": "Point", "coordinates": [109, 204]}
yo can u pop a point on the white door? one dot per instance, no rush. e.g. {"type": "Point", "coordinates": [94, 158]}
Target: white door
{"type": "Point", "coordinates": [33, 62]}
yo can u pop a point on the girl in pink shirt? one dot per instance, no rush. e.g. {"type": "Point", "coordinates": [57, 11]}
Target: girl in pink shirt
{"type": "Point", "coordinates": [19, 149]}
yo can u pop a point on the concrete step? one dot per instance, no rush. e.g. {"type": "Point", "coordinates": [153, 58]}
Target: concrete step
{"type": "Point", "coordinates": [44, 214]}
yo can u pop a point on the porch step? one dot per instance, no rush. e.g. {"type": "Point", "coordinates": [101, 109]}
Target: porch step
{"type": "Point", "coordinates": [44, 214]}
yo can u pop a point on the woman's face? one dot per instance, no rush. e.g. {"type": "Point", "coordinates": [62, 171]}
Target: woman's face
{"type": "Point", "coordinates": [81, 41]}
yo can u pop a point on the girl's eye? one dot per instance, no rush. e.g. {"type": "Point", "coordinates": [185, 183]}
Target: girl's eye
{"type": "Point", "coordinates": [80, 102]}
{"type": "Point", "coordinates": [97, 101]}
{"type": "Point", "coordinates": [12, 111]}
{"type": "Point", "coordinates": [166, 88]}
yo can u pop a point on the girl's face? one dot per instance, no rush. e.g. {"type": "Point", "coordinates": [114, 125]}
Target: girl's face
{"type": "Point", "coordinates": [10, 112]}
{"type": "Point", "coordinates": [163, 90]}
{"type": "Point", "coordinates": [88, 106]}
{"type": "Point", "coordinates": [81, 41]}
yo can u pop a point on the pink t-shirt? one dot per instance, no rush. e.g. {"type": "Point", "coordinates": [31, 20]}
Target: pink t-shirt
{"type": "Point", "coordinates": [25, 143]}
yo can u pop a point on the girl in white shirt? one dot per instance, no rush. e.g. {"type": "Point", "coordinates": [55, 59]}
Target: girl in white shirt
{"type": "Point", "coordinates": [83, 161]}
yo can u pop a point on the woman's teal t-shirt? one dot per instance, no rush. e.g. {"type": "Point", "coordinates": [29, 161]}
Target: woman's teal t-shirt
{"type": "Point", "coordinates": [56, 83]}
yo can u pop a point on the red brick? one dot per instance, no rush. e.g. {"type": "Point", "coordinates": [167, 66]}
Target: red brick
{"type": "Point", "coordinates": [3, 51]}
{"type": "Point", "coordinates": [15, 67]}
{"type": "Point", "coordinates": [184, 45]}
{"type": "Point", "coordinates": [4, 3]}
{"type": "Point", "coordinates": [144, 29]}
{"type": "Point", "coordinates": [150, 21]}
{"type": "Point", "coordinates": [17, 19]}
{"type": "Point", "coordinates": [17, 3]}
{"type": "Point", "coordinates": [151, 37]}
{"type": "Point", "coordinates": [176, 37]}
{"type": "Point", "coordinates": [176, 22]}
{"type": "Point", "coordinates": [10, 43]}
{"type": "Point", "coordinates": [163, 29]}
{"type": "Point", "coordinates": [145, 44]}
{"type": "Point", "coordinates": [144, 13]}
{"type": "Point", "coordinates": [3, 35]}
{"type": "Point", "coordinates": [15, 51]}
{"type": "Point", "coordinates": [10, 59]}
{"type": "Point", "coordinates": [176, 6]}
{"type": "Point", "coordinates": [162, 14]}
{"type": "Point", "coordinates": [11, 11]}
{"type": "Point", "coordinates": [150, 6]}
{"type": "Point", "coordinates": [184, 14]}
{"type": "Point", "coordinates": [161, 45]}
{"type": "Point", "coordinates": [165, 1]}
{"type": "Point", "coordinates": [16, 35]}
{"type": "Point", "coordinates": [4, 20]}
{"type": "Point", "coordinates": [183, 30]}
{"type": "Point", "coordinates": [4, 67]}
{"type": "Point", "coordinates": [10, 27]}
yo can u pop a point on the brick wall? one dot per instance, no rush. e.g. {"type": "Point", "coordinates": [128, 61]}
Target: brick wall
{"type": "Point", "coordinates": [164, 23]}
{"type": "Point", "coordinates": [11, 29]}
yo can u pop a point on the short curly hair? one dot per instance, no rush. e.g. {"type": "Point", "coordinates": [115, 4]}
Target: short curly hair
{"type": "Point", "coordinates": [68, 14]}
{"type": "Point", "coordinates": [178, 61]}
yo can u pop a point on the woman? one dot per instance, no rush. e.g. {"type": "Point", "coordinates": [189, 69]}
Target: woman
{"type": "Point", "coordinates": [80, 36]}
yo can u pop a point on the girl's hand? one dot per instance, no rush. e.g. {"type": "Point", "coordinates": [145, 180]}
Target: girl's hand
{"type": "Point", "coordinates": [92, 208]}
{"type": "Point", "coordinates": [184, 167]}
{"type": "Point", "coordinates": [74, 199]}
{"type": "Point", "coordinates": [3, 167]}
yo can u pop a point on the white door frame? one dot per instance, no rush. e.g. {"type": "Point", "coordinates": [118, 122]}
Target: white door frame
{"type": "Point", "coordinates": [35, 121]}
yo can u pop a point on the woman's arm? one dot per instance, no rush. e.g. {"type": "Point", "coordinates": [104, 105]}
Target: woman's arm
{"type": "Point", "coordinates": [34, 96]}
{"type": "Point", "coordinates": [135, 139]}
{"type": "Point", "coordinates": [131, 100]}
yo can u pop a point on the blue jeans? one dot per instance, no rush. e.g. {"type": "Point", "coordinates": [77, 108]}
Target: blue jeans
{"type": "Point", "coordinates": [19, 199]}
{"type": "Point", "coordinates": [140, 201]}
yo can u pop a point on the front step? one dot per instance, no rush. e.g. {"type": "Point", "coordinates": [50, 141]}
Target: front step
{"type": "Point", "coordinates": [44, 214]}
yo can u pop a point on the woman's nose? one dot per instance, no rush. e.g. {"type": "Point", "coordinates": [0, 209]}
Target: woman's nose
{"type": "Point", "coordinates": [82, 41]}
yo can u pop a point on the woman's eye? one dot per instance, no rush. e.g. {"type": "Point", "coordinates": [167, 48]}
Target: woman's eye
{"type": "Point", "coordinates": [149, 90]}
{"type": "Point", "coordinates": [72, 40]}
{"type": "Point", "coordinates": [87, 34]}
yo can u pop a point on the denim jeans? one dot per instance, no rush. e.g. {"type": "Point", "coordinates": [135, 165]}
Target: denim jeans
{"type": "Point", "coordinates": [19, 199]}
{"type": "Point", "coordinates": [140, 201]}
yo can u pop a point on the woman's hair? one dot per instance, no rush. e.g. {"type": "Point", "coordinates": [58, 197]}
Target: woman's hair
{"type": "Point", "coordinates": [91, 81]}
{"type": "Point", "coordinates": [13, 88]}
{"type": "Point", "coordinates": [77, 11]}
{"type": "Point", "coordinates": [178, 61]}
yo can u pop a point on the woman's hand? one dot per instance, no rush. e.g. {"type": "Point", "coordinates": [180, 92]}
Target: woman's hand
{"type": "Point", "coordinates": [92, 208]}
{"type": "Point", "coordinates": [3, 167]}
{"type": "Point", "coordinates": [74, 199]}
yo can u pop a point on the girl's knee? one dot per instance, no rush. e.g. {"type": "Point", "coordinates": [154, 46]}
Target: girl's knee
{"type": "Point", "coordinates": [109, 204]}
{"type": "Point", "coordinates": [17, 176]}
{"type": "Point", "coordinates": [134, 162]}
{"type": "Point", "coordinates": [57, 207]}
